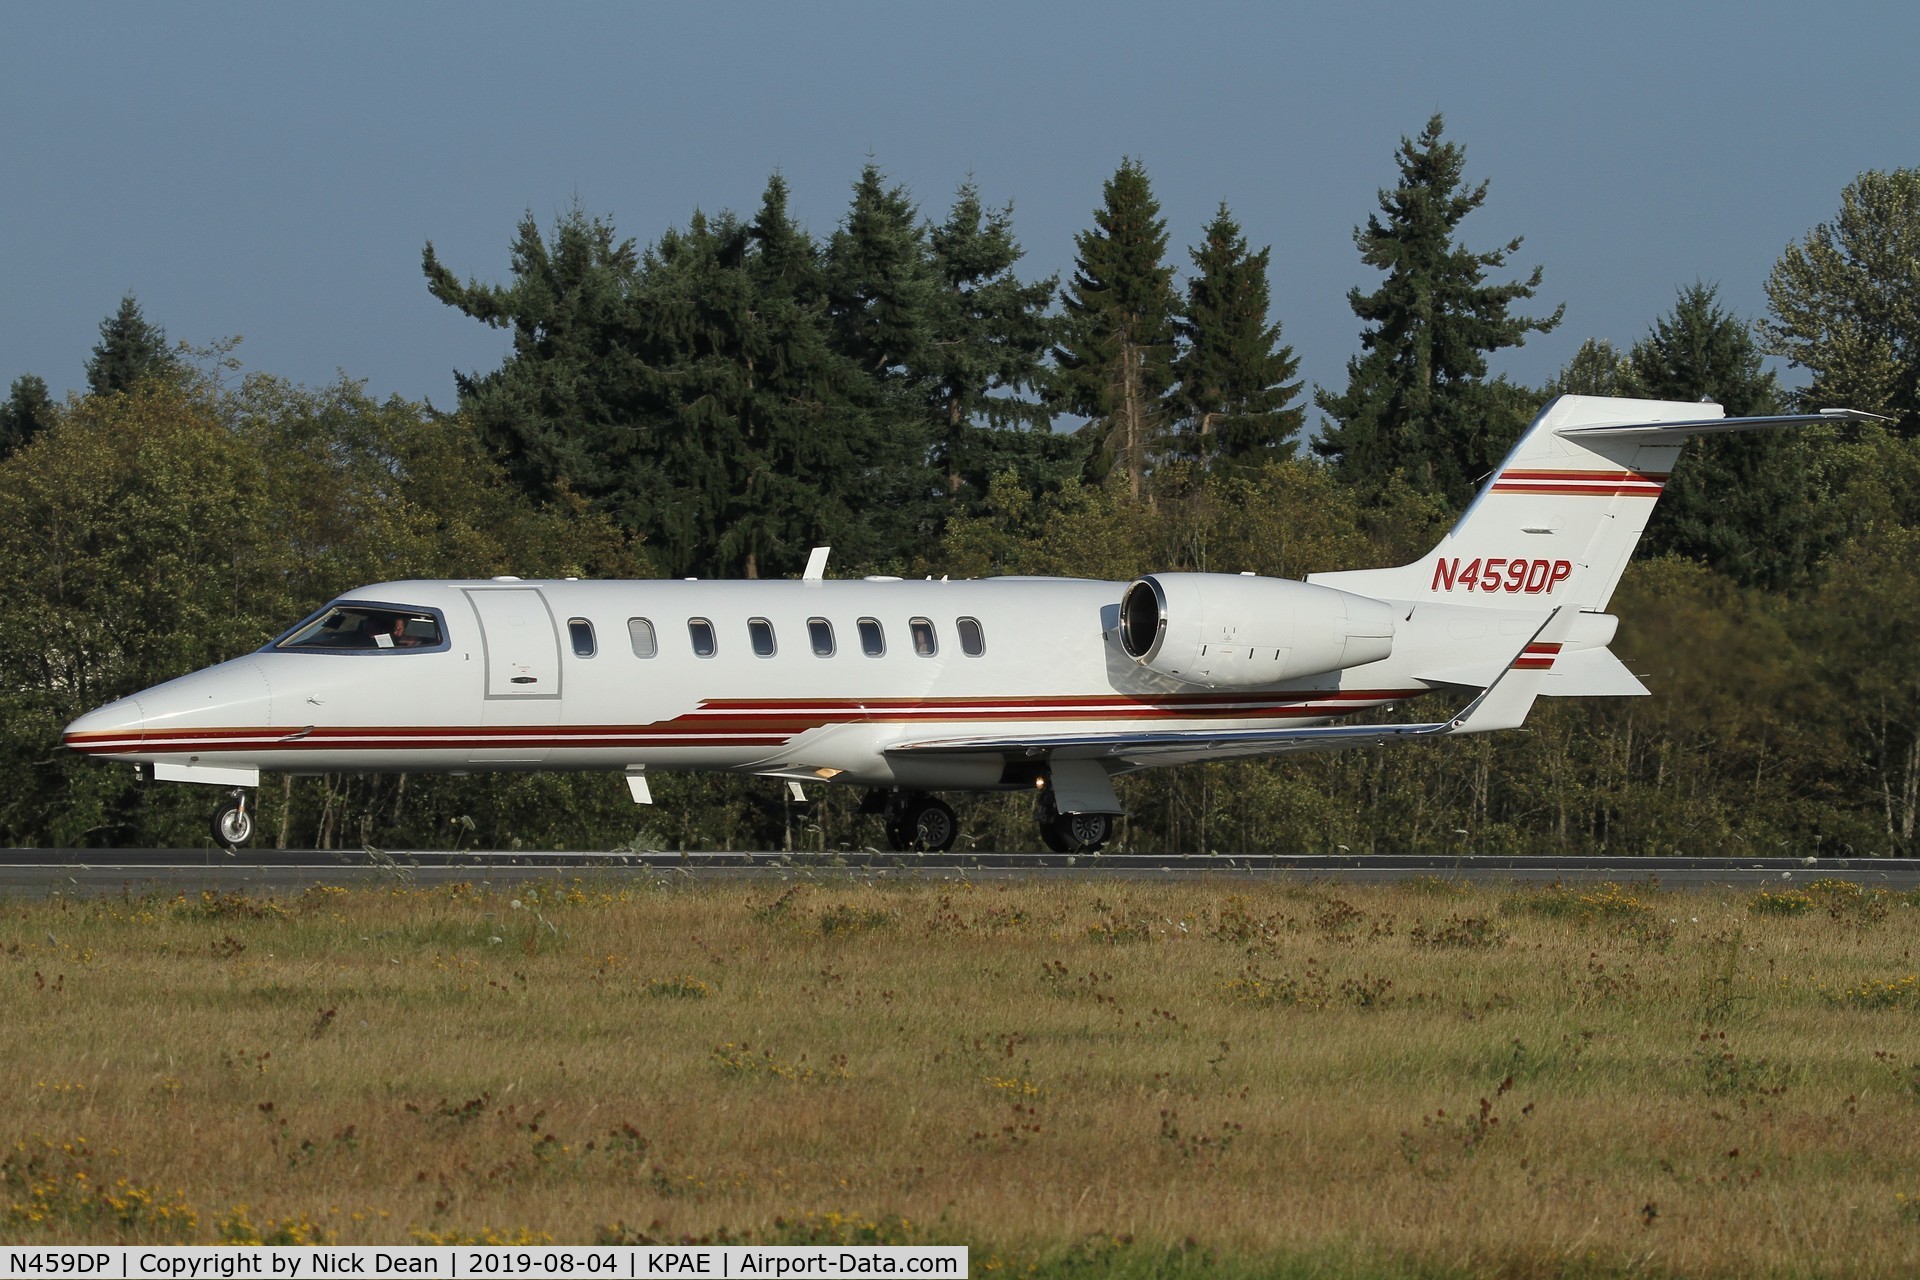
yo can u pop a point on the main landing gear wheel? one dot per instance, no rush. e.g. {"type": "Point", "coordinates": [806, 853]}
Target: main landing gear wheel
{"type": "Point", "coordinates": [1072, 832]}
{"type": "Point", "coordinates": [232, 822]}
{"type": "Point", "coordinates": [921, 824]}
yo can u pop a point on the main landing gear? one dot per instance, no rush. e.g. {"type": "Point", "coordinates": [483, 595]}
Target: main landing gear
{"type": "Point", "coordinates": [233, 822]}
{"type": "Point", "coordinates": [916, 822]}
{"type": "Point", "coordinates": [920, 823]}
{"type": "Point", "coordinates": [1071, 832]}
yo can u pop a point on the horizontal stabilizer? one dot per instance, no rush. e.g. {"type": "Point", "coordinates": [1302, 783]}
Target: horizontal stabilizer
{"type": "Point", "coordinates": [1675, 432]}
{"type": "Point", "coordinates": [1573, 673]}
{"type": "Point", "coordinates": [1591, 673]}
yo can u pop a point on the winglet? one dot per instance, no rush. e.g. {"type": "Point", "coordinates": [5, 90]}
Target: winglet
{"type": "Point", "coordinates": [1504, 703]}
{"type": "Point", "coordinates": [816, 569]}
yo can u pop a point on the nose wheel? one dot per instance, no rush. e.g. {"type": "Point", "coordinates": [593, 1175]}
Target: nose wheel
{"type": "Point", "coordinates": [233, 822]}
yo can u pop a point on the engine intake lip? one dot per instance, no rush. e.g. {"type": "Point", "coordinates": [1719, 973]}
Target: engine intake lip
{"type": "Point", "coordinates": [1143, 619]}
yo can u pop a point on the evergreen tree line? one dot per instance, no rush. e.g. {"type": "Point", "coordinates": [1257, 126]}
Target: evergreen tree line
{"type": "Point", "coordinates": [718, 402]}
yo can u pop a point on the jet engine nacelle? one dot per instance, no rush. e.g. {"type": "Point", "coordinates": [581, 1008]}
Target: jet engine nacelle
{"type": "Point", "coordinates": [1226, 629]}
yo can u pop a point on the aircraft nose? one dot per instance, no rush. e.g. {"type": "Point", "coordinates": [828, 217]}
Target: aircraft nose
{"type": "Point", "coordinates": [118, 726]}
{"type": "Point", "coordinates": [170, 716]}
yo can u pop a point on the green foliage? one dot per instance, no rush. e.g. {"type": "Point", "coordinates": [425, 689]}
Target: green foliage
{"type": "Point", "coordinates": [1417, 401]}
{"type": "Point", "coordinates": [156, 531]}
{"type": "Point", "coordinates": [1597, 369]}
{"type": "Point", "coordinates": [1845, 301]}
{"type": "Point", "coordinates": [564, 407]}
{"type": "Point", "coordinates": [1746, 503]}
{"type": "Point", "coordinates": [737, 394]}
{"type": "Point", "coordinates": [28, 411]}
{"type": "Point", "coordinates": [985, 365]}
{"type": "Point", "coordinates": [129, 352]}
{"type": "Point", "coordinates": [1116, 348]}
{"type": "Point", "coordinates": [1234, 390]}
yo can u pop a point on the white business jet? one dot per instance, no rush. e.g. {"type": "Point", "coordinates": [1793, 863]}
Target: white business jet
{"type": "Point", "coordinates": [910, 688]}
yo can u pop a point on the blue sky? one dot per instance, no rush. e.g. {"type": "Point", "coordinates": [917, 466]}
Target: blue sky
{"type": "Point", "coordinates": [272, 171]}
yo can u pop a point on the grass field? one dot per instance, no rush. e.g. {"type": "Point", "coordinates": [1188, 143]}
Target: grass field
{"type": "Point", "coordinates": [1083, 1079]}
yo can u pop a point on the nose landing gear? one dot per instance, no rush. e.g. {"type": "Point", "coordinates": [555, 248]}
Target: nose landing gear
{"type": "Point", "coordinates": [233, 822]}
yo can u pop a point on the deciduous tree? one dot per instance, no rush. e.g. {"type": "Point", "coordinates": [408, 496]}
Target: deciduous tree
{"type": "Point", "coordinates": [1845, 301]}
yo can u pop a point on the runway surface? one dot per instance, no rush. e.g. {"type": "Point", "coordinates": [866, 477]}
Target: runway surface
{"type": "Point", "coordinates": [91, 872]}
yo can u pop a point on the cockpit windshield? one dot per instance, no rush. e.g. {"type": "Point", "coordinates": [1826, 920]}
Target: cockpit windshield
{"type": "Point", "coordinates": [353, 625]}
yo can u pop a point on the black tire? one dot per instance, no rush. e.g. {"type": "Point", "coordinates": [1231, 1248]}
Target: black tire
{"type": "Point", "coordinates": [1085, 832]}
{"type": "Point", "coordinates": [927, 825]}
{"type": "Point", "coordinates": [232, 824]}
{"type": "Point", "coordinates": [1071, 832]}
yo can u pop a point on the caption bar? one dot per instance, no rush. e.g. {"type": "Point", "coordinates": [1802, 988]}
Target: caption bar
{"type": "Point", "coordinates": [483, 1262]}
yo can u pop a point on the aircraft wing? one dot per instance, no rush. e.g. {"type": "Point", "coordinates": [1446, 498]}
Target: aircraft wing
{"type": "Point", "coordinates": [1501, 705]}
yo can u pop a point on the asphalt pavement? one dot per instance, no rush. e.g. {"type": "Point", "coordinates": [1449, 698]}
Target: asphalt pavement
{"type": "Point", "coordinates": [91, 872]}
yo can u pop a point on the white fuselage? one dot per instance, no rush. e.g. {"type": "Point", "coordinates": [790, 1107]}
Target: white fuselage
{"type": "Point", "coordinates": [515, 681]}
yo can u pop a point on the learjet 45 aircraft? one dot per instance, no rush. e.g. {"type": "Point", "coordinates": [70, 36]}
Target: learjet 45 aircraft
{"type": "Point", "coordinates": [910, 688]}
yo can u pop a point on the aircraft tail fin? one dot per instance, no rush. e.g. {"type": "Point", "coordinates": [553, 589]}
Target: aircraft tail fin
{"type": "Point", "coordinates": [1556, 522]}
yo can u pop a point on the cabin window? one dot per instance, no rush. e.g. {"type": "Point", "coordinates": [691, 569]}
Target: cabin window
{"type": "Point", "coordinates": [760, 633]}
{"type": "Point", "coordinates": [820, 634]}
{"type": "Point", "coordinates": [700, 631]}
{"type": "Point", "coordinates": [925, 643]}
{"type": "Point", "coordinates": [640, 634]}
{"type": "Point", "coordinates": [873, 641]}
{"type": "Point", "coordinates": [973, 642]}
{"type": "Point", "coordinates": [352, 625]}
{"type": "Point", "coordinates": [580, 631]}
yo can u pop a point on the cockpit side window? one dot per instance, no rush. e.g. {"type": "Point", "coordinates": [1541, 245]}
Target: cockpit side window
{"type": "Point", "coordinates": [362, 626]}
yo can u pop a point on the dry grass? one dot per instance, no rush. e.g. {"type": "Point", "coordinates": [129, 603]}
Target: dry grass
{"type": "Point", "coordinates": [1087, 1078]}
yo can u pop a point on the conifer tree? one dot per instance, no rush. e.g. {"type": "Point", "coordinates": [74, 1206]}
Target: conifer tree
{"type": "Point", "coordinates": [1115, 354]}
{"type": "Point", "coordinates": [1597, 369]}
{"type": "Point", "coordinates": [770, 439]}
{"type": "Point", "coordinates": [1742, 504]}
{"type": "Point", "coordinates": [1417, 399]}
{"type": "Point", "coordinates": [27, 412]}
{"type": "Point", "coordinates": [819, 460]}
{"type": "Point", "coordinates": [880, 281]}
{"type": "Point", "coordinates": [1234, 391]}
{"type": "Point", "coordinates": [990, 333]}
{"type": "Point", "coordinates": [129, 351]}
{"type": "Point", "coordinates": [566, 408]}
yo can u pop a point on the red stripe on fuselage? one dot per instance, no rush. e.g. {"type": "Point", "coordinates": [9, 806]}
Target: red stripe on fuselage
{"type": "Point", "coordinates": [744, 723]}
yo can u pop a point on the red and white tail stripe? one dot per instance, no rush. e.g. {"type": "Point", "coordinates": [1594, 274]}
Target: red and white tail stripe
{"type": "Point", "coordinates": [1641, 484]}
{"type": "Point", "coordinates": [1537, 657]}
